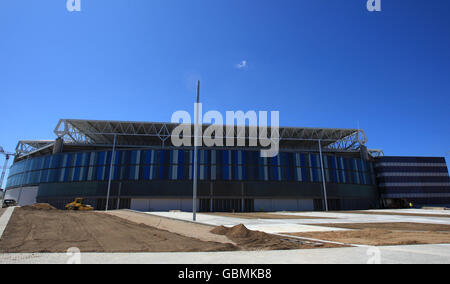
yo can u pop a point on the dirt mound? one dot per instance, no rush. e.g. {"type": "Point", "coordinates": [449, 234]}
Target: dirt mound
{"type": "Point", "coordinates": [239, 231]}
{"type": "Point", "coordinates": [220, 230]}
{"type": "Point", "coordinates": [39, 206]}
{"type": "Point", "coordinates": [255, 240]}
{"type": "Point", "coordinates": [37, 230]}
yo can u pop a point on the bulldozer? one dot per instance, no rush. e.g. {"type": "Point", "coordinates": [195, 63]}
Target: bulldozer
{"type": "Point", "coordinates": [78, 204]}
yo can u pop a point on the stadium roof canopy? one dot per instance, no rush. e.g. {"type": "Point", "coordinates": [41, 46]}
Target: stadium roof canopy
{"type": "Point", "coordinates": [100, 133]}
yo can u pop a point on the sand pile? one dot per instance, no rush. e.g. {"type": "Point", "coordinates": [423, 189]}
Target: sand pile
{"type": "Point", "coordinates": [220, 230]}
{"type": "Point", "coordinates": [248, 239]}
{"type": "Point", "coordinates": [39, 206]}
{"type": "Point", "coordinates": [37, 230]}
{"type": "Point", "coordinates": [238, 231]}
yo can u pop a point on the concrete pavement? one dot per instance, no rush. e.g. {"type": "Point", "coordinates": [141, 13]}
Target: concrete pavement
{"type": "Point", "coordinates": [4, 219]}
{"type": "Point", "coordinates": [265, 225]}
{"type": "Point", "coordinates": [300, 225]}
{"type": "Point", "coordinates": [365, 218]}
{"type": "Point", "coordinates": [411, 254]}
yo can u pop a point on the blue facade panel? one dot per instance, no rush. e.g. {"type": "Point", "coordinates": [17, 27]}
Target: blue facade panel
{"type": "Point", "coordinates": [177, 165]}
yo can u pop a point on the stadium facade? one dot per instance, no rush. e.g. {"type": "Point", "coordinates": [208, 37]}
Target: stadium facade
{"type": "Point", "coordinates": [150, 174]}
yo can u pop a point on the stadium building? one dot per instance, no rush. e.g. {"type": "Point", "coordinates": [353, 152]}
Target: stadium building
{"type": "Point", "coordinates": [150, 174]}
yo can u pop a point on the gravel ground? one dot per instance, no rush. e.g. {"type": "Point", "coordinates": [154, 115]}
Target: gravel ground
{"type": "Point", "coordinates": [188, 229]}
{"type": "Point", "coordinates": [32, 230]}
{"type": "Point", "coordinates": [397, 213]}
{"type": "Point", "coordinates": [400, 226]}
{"type": "Point", "coordinates": [383, 234]}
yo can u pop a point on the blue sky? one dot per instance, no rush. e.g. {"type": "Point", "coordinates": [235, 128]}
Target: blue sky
{"type": "Point", "coordinates": [321, 63]}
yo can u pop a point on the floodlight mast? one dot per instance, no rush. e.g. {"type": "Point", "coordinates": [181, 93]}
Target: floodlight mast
{"type": "Point", "coordinates": [325, 199]}
{"type": "Point", "coordinates": [7, 155]}
{"type": "Point", "coordinates": [196, 134]}
{"type": "Point", "coordinates": [4, 170]}
{"type": "Point", "coordinates": [111, 169]}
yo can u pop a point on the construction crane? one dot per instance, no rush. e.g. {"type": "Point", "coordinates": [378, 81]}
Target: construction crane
{"type": "Point", "coordinates": [7, 155]}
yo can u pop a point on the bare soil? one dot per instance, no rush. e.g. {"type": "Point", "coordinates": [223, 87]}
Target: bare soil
{"type": "Point", "coordinates": [34, 230]}
{"type": "Point", "coordinates": [383, 234]}
{"type": "Point", "coordinates": [255, 240]}
{"type": "Point", "coordinates": [401, 226]}
{"type": "Point", "coordinates": [188, 229]}
{"type": "Point", "coordinates": [259, 215]}
{"type": "Point", "coordinates": [395, 213]}
{"type": "Point", "coordinates": [39, 206]}
{"type": "Point", "coordinates": [1, 211]}
{"type": "Point", "coordinates": [40, 228]}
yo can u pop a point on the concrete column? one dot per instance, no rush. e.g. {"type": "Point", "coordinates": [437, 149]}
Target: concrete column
{"type": "Point", "coordinates": [118, 195]}
{"type": "Point", "coordinates": [211, 195]}
{"type": "Point", "coordinates": [325, 201]}
{"type": "Point", "coordinates": [242, 197]}
{"type": "Point", "coordinates": [58, 147]}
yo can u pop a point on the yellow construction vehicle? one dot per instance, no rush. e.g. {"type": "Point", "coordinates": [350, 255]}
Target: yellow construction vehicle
{"type": "Point", "coordinates": [78, 204]}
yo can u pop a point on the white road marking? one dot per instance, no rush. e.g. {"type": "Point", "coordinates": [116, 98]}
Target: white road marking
{"type": "Point", "coordinates": [4, 219]}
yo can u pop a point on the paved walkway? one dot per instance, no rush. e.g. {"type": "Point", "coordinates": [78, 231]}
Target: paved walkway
{"type": "Point", "coordinates": [198, 231]}
{"type": "Point", "coordinates": [4, 219]}
{"type": "Point", "coordinates": [265, 225]}
{"type": "Point", "coordinates": [412, 254]}
{"type": "Point", "coordinates": [366, 218]}
{"type": "Point", "coordinates": [300, 225]}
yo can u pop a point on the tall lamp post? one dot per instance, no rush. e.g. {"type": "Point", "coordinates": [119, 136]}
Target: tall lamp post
{"type": "Point", "coordinates": [111, 169]}
{"type": "Point", "coordinates": [196, 134]}
{"type": "Point", "coordinates": [325, 199]}
{"type": "Point", "coordinates": [7, 156]}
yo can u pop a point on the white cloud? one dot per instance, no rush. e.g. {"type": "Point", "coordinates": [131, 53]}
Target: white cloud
{"type": "Point", "coordinates": [242, 64]}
